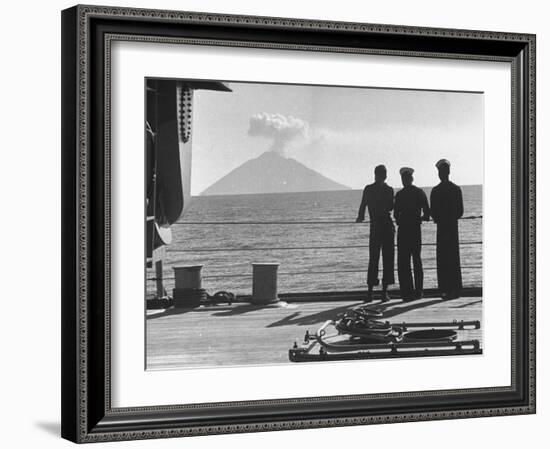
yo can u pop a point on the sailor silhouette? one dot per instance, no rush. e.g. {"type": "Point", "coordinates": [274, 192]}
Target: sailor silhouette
{"type": "Point", "coordinates": [410, 209]}
{"type": "Point", "coordinates": [378, 198]}
{"type": "Point", "coordinates": [446, 208]}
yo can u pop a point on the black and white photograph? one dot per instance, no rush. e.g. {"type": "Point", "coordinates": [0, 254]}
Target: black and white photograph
{"type": "Point", "coordinates": [289, 220]}
{"type": "Point", "coordinates": [291, 223]}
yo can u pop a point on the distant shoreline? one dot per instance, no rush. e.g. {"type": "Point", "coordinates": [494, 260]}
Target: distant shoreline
{"type": "Point", "coordinates": [314, 191]}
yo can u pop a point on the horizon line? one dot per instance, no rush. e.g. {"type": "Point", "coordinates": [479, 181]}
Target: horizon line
{"type": "Point", "coordinates": [316, 191]}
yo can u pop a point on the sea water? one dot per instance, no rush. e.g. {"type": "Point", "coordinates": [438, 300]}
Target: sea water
{"type": "Point", "coordinates": [312, 235]}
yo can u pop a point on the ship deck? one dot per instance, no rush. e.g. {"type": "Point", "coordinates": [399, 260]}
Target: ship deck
{"type": "Point", "coordinates": [244, 334]}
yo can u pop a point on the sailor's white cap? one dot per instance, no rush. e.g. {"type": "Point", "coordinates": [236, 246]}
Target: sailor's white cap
{"type": "Point", "coordinates": [441, 162]}
{"type": "Point", "coordinates": [408, 170]}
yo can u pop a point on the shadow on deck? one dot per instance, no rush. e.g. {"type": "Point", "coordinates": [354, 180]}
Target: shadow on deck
{"type": "Point", "coordinates": [245, 334]}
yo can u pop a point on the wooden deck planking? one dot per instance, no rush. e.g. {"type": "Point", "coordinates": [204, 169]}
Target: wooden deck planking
{"type": "Point", "coordinates": [243, 335]}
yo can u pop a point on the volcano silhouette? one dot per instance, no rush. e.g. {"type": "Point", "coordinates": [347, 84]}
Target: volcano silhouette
{"type": "Point", "coordinates": [272, 173]}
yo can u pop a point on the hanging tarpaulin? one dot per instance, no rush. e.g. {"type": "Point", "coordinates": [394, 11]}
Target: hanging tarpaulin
{"type": "Point", "coordinates": [168, 177]}
{"type": "Point", "coordinates": [169, 123]}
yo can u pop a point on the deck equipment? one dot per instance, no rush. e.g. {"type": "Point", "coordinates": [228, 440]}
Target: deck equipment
{"type": "Point", "coordinates": [359, 335]}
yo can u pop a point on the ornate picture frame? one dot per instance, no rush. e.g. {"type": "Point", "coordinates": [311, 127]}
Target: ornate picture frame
{"type": "Point", "coordinates": [88, 33]}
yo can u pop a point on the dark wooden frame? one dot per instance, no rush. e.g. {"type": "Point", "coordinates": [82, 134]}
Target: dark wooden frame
{"type": "Point", "coordinates": [87, 32]}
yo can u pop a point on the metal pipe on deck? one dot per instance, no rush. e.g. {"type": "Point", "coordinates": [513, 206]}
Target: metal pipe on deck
{"type": "Point", "coordinates": [188, 276]}
{"type": "Point", "coordinates": [264, 283]}
{"type": "Point", "coordinates": [188, 291]}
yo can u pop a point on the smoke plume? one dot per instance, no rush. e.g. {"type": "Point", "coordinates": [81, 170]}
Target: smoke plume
{"type": "Point", "coordinates": [282, 129]}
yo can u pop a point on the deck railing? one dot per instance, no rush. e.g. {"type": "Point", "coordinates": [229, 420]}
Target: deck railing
{"type": "Point", "coordinates": [294, 222]}
{"type": "Point", "coordinates": [303, 272]}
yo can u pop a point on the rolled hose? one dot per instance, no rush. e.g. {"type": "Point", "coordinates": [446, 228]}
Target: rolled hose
{"type": "Point", "coordinates": [370, 329]}
{"type": "Point", "coordinates": [221, 297]}
{"type": "Point", "coordinates": [394, 336]}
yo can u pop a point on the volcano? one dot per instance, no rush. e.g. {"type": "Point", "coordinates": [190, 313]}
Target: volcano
{"type": "Point", "coordinates": [272, 173]}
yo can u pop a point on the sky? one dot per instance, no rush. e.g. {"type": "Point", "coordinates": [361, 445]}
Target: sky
{"type": "Point", "coordinates": [341, 132]}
